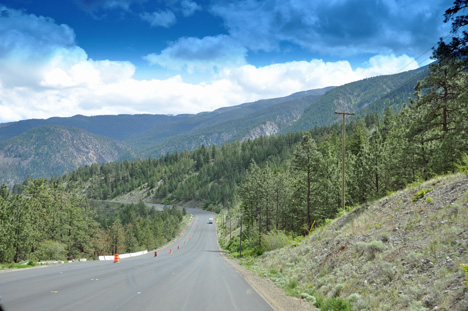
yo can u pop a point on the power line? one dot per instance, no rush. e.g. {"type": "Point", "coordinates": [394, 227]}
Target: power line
{"type": "Point", "coordinates": [414, 60]}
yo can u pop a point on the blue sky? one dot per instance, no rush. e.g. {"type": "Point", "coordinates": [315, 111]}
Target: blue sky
{"type": "Point", "coordinates": [93, 57]}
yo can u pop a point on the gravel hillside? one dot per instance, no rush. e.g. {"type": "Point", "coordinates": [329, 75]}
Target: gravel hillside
{"type": "Point", "coordinates": [401, 252]}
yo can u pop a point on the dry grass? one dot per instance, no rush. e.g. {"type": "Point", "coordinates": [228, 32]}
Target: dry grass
{"type": "Point", "coordinates": [394, 254]}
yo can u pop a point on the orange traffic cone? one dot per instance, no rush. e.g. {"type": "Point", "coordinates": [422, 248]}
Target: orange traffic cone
{"type": "Point", "coordinates": [116, 258]}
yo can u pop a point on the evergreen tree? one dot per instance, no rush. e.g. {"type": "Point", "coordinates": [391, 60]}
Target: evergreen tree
{"type": "Point", "coordinates": [306, 163]}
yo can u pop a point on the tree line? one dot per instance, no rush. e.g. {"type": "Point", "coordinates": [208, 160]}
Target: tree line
{"type": "Point", "coordinates": [49, 222]}
{"type": "Point", "coordinates": [428, 137]}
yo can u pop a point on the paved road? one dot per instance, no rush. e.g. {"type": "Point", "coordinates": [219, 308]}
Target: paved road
{"type": "Point", "coordinates": [195, 277]}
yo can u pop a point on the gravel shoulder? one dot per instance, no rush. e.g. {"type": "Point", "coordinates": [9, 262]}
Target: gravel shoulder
{"type": "Point", "coordinates": [270, 292]}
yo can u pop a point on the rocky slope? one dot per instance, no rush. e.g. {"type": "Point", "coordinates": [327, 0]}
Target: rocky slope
{"type": "Point", "coordinates": [401, 252]}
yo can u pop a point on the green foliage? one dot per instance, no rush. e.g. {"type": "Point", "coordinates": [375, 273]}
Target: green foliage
{"type": "Point", "coordinates": [334, 304]}
{"type": "Point", "coordinates": [275, 239]}
{"type": "Point", "coordinates": [462, 164]}
{"type": "Point", "coordinates": [420, 194]}
{"type": "Point", "coordinates": [50, 250]}
{"type": "Point", "coordinates": [50, 222]}
{"type": "Point", "coordinates": [291, 287]}
{"type": "Point", "coordinates": [248, 250]}
{"type": "Point", "coordinates": [465, 271]}
{"type": "Point", "coordinates": [21, 265]}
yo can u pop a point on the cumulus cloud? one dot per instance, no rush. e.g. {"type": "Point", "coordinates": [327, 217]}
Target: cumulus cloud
{"type": "Point", "coordinates": [73, 84]}
{"type": "Point", "coordinates": [159, 18]}
{"type": "Point", "coordinates": [345, 27]}
{"type": "Point", "coordinates": [43, 73]}
{"type": "Point", "coordinates": [188, 7]}
{"type": "Point", "coordinates": [206, 54]}
{"type": "Point", "coordinates": [25, 41]}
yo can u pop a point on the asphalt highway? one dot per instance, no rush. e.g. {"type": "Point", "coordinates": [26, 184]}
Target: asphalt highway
{"type": "Point", "coordinates": [194, 277]}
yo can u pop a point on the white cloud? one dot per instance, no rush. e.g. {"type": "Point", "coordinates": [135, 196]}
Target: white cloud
{"type": "Point", "coordinates": [26, 41]}
{"type": "Point", "coordinates": [82, 86]}
{"type": "Point", "coordinates": [188, 7]}
{"type": "Point", "coordinates": [387, 64]}
{"type": "Point", "coordinates": [206, 54]}
{"type": "Point", "coordinates": [48, 75]}
{"type": "Point", "coordinates": [159, 18]}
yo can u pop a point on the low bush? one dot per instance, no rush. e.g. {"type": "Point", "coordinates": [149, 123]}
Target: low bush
{"type": "Point", "coordinates": [371, 248]}
{"type": "Point", "coordinates": [275, 239]}
{"type": "Point", "coordinates": [50, 250]}
{"type": "Point", "coordinates": [420, 194]}
{"type": "Point", "coordinates": [465, 271]}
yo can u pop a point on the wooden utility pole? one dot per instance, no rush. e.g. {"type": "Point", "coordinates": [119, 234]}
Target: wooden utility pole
{"type": "Point", "coordinates": [240, 237]}
{"type": "Point", "coordinates": [343, 155]}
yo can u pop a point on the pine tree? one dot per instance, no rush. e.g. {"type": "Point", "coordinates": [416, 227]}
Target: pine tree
{"type": "Point", "coordinates": [306, 163]}
{"type": "Point", "coordinates": [438, 117]}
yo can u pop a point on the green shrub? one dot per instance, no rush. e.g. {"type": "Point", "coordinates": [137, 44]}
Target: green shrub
{"type": "Point", "coordinates": [291, 288]}
{"type": "Point", "coordinates": [309, 298]}
{"type": "Point", "coordinates": [50, 250]}
{"type": "Point", "coordinates": [463, 163]}
{"type": "Point", "coordinates": [420, 194]}
{"type": "Point", "coordinates": [275, 239]}
{"type": "Point", "coordinates": [371, 248]}
{"type": "Point", "coordinates": [465, 271]}
{"type": "Point", "coordinates": [334, 304]}
{"type": "Point", "coordinates": [336, 290]}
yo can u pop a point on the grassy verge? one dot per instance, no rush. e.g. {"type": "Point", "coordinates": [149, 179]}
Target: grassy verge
{"type": "Point", "coordinates": [6, 266]}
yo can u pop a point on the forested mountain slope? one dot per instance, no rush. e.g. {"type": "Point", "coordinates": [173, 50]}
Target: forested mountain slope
{"type": "Point", "coordinates": [262, 122]}
{"type": "Point", "coordinates": [157, 135]}
{"type": "Point", "coordinates": [116, 127]}
{"type": "Point", "coordinates": [361, 97]}
{"type": "Point", "coordinates": [53, 150]}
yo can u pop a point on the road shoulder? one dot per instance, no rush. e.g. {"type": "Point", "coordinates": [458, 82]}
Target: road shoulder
{"type": "Point", "coordinates": [269, 291]}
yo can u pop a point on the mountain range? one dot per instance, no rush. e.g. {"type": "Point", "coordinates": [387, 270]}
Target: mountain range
{"type": "Point", "coordinates": [51, 147]}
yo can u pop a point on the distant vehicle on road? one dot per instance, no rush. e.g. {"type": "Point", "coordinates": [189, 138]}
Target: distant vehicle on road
{"type": "Point", "coordinates": [210, 221]}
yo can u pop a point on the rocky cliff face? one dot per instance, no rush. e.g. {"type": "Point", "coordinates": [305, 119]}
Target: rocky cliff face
{"type": "Point", "coordinates": [267, 129]}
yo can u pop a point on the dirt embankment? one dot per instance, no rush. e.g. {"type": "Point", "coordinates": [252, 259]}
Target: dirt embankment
{"type": "Point", "coordinates": [401, 252]}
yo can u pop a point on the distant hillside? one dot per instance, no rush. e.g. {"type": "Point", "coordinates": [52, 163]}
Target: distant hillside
{"type": "Point", "coordinates": [372, 95]}
{"type": "Point", "coordinates": [248, 121]}
{"type": "Point", "coordinates": [53, 150]}
{"type": "Point", "coordinates": [224, 124]}
{"type": "Point", "coordinates": [156, 135]}
{"type": "Point", "coordinates": [117, 127]}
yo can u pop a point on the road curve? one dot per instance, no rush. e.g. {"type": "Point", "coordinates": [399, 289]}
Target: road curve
{"type": "Point", "coordinates": [194, 277]}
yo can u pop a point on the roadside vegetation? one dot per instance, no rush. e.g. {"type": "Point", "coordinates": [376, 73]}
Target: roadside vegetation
{"type": "Point", "coordinates": [390, 254]}
{"type": "Point", "coordinates": [400, 243]}
{"type": "Point", "coordinates": [46, 222]}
